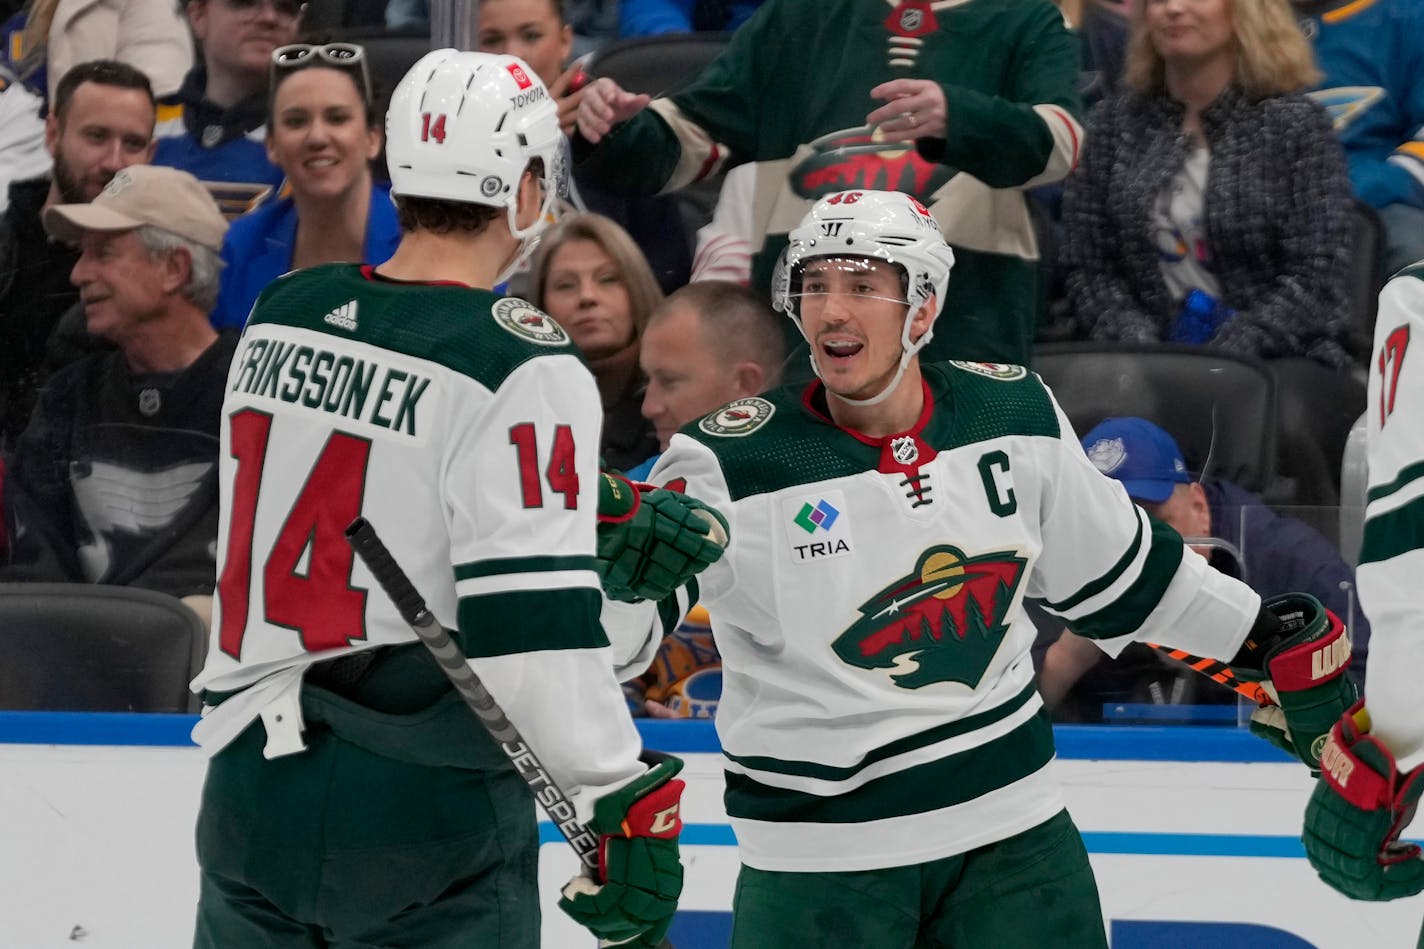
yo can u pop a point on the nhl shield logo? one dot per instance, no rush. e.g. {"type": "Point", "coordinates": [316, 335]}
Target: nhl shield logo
{"type": "Point", "coordinates": [738, 418]}
{"type": "Point", "coordinates": [528, 322]}
{"type": "Point", "coordinates": [904, 450]}
{"type": "Point", "coordinates": [912, 18]}
{"type": "Point", "coordinates": [1107, 454]}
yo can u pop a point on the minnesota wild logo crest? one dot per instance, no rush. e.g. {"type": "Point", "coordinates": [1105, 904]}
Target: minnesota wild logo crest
{"type": "Point", "coordinates": [942, 623]}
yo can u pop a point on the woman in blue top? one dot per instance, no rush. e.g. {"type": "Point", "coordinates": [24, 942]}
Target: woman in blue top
{"type": "Point", "coordinates": [321, 132]}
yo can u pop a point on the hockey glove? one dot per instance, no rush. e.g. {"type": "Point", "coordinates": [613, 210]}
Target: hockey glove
{"type": "Point", "coordinates": [1298, 651]}
{"type": "Point", "coordinates": [652, 541]}
{"type": "Point", "coordinates": [1355, 815]}
{"type": "Point", "coordinates": [637, 860]}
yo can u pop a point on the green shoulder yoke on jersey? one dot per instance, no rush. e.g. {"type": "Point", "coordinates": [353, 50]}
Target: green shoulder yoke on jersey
{"type": "Point", "coordinates": [473, 332]}
{"type": "Point", "coordinates": [777, 440]}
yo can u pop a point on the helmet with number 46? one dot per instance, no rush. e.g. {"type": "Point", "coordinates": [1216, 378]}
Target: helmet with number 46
{"type": "Point", "coordinates": [879, 225]}
{"type": "Point", "coordinates": [464, 126]}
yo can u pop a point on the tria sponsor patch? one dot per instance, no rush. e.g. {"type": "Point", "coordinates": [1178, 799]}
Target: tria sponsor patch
{"type": "Point", "coordinates": [816, 527]}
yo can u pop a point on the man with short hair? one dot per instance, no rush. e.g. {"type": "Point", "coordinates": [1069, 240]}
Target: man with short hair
{"type": "Point", "coordinates": [887, 756]}
{"type": "Point", "coordinates": [101, 120]}
{"type": "Point", "coordinates": [708, 343]}
{"type": "Point", "coordinates": [351, 797]}
{"type": "Point", "coordinates": [214, 126]}
{"type": "Point", "coordinates": [115, 479]}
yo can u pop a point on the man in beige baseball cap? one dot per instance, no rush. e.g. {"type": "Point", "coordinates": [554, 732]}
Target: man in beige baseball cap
{"type": "Point", "coordinates": [166, 198]}
{"type": "Point", "coordinates": [114, 481]}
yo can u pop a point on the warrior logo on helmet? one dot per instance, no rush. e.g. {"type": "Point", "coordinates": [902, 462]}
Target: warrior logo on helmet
{"type": "Point", "coordinates": [942, 623]}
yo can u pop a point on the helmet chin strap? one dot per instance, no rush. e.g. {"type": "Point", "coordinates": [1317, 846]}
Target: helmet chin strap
{"type": "Point", "coordinates": [528, 237]}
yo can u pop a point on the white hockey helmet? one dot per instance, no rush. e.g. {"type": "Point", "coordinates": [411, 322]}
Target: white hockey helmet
{"type": "Point", "coordinates": [880, 225]}
{"type": "Point", "coordinates": [464, 126]}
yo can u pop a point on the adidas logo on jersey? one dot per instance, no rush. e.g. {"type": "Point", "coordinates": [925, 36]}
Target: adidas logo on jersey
{"type": "Point", "coordinates": [343, 316]}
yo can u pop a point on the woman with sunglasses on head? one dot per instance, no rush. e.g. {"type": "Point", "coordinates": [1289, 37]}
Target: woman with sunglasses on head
{"type": "Point", "coordinates": [212, 126]}
{"type": "Point", "coordinates": [322, 134]}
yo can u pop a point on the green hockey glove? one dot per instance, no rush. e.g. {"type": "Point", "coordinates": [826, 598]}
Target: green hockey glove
{"type": "Point", "coordinates": [637, 860]}
{"type": "Point", "coordinates": [1298, 651]}
{"type": "Point", "coordinates": [1356, 813]}
{"type": "Point", "coordinates": [651, 540]}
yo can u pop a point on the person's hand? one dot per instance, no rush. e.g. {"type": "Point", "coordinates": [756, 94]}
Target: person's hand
{"type": "Point", "coordinates": [567, 95]}
{"type": "Point", "coordinates": [638, 860]}
{"type": "Point", "coordinates": [651, 540]}
{"type": "Point", "coordinates": [1353, 821]}
{"type": "Point", "coordinates": [914, 108]}
{"type": "Point", "coordinates": [658, 710]}
{"type": "Point", "coordinates": [1300, 660]}
{"type": "Point", "coordinates": [604, 105]}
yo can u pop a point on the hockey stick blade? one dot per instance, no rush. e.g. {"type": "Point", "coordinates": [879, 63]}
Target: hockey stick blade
{"type": "Point", "coordinates": [363, 540]}
{"type": "Point", "coordinates": [1218, 672]}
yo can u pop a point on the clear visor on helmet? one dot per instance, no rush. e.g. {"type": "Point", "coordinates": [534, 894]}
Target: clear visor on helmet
{"type": "Point", "coordinates": [819, 282]}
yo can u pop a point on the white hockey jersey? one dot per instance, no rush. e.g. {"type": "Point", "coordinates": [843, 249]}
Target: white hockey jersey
{"type": "Point", "coordinates": [465, 428]}
{"type": "Point", "coordinates": [1392, 551]}
{"type": "Point", "coordinates": [878, 705]}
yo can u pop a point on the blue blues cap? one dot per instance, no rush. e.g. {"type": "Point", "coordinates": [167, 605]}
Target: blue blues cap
{"type": "Point", "coordinates": [1139, 454]}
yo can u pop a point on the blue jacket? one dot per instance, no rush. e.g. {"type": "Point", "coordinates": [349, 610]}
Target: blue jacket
{"type": "Point", "coordinates": [1285, 555]}
{"type": "Point", "coordinates": [651, 17]}
{"type": "Point", "coordinates": [1372, 55]}
{"type": "Point", "coordinates": [259, 245]}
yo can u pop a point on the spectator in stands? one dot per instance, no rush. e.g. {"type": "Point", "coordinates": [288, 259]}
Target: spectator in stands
{"type": "Point", "coordinates": [115, 479]}
{"type": "Point", "coordinates": [101, 120]}
{"type": "Point", "coordinates": [705, 345]}
{"type": "Point", "coordinates": [591, 278]}
{"type": "Point", "coordinates": [322, 134]}
{"type": "Point", "coordinates": [963, 106]}
{"type": "Point", "coordinates": [1372, 55]}
{"type": "Point", "coordinates": [22, 140]}
{"type": "Point", "coordinates": [151, 37]}
{"type": "Point", "coordinates": [1270, 553]}
{"type": "Point", "coordinates": [536, 32]}
{"type": "Point", "coordinates": [213, 126]}
{"type": "Point", "coordinates": [651, 17]}
{"type": "Point", "coordinates": [1211, 205]}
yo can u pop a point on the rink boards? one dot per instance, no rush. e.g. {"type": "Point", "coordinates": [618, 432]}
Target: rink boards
{"type": "Point", "coordinates": [1193, 833]}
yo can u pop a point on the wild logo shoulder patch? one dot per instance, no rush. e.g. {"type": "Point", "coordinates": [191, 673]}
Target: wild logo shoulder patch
{"type": "Point", "coordinates": [527, 321]}
{"type": "Point", "coordinates": [1002, 371]}
{"type": "Point", "coordinates": [738, 418]}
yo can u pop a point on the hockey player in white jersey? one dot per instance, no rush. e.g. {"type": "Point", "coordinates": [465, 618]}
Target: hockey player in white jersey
{"type": "Point", "coordinates": [1372, 769]}
{"type": "Point", "coordinates": [886, 753]}
{"type": "Point", "coordinates": [351, 798]}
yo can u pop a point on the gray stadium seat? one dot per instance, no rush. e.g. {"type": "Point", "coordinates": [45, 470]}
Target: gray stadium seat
{"type": "Point", "coordinates": [657, 64]}
{"type": "Point", "coordinates": [1221, 409]}
{"type": "Point", "coordinates": [86, 647]}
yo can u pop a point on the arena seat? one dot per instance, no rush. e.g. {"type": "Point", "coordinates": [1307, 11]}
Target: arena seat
{"type": "Point", "coordinates": [1220, 408]}
{"type": "Point", "coordinates": [1366, 281]}
{"type": "Point", "coordinates": [657, 64]}
{"type": "Point", "coordinates": [87, 647]}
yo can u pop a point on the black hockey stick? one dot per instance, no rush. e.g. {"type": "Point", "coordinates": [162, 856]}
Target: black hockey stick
{"type": "Point", "coordinates": [411, 606]}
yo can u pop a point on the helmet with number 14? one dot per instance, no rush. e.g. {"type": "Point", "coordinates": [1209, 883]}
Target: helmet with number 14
{"type": "Point", "coordinates": [856, 226]}
{"type": "Point", "coordinates": [464, 126]}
